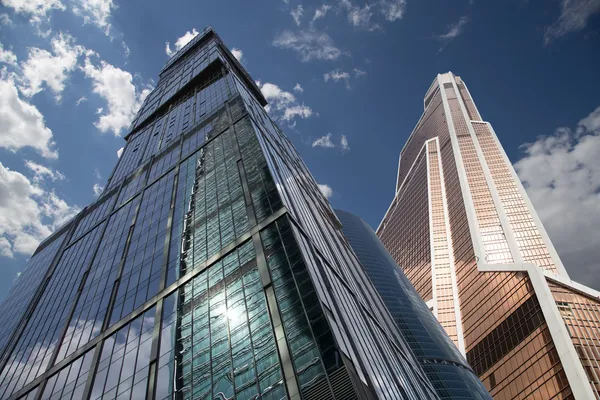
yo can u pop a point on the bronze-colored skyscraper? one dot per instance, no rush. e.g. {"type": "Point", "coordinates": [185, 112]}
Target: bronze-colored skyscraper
{"type": "Point", "coordinates": [467, 236]}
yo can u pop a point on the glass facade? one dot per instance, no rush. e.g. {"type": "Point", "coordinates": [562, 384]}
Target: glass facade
{"type": "Point", "coordinates": [444, 365]}
{"type": "Point", "coordinates": [210, 268]}
{"type": "Point", "coordinates": [463, 230]}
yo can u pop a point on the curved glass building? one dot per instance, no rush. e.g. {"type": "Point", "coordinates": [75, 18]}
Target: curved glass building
{"type": "Point", "coordinates": [445, 367]}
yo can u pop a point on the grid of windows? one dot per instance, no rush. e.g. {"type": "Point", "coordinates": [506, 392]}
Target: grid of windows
{"type": "Point", "coordinates": [69, 383]}
{"type": "Point", "coordinates": [23, 290]}
{"type": "Point", "coordinates": [225, 334]}
{"type": "Point", "coordinates": [100, 210]}
{"type": "Point", "coordinates": [443, 263]}
{"type": "Point", "coordinates": [581, 315]}
{"type": "Point", "coordinates": [131, 158]}
{"type": "Point", "coordinates": [218, 214]}
{"type": "Point", "coordinates": [309, 338]}
{"type": "Point", "coordinates": [142, 268]}
{"type": "Point", "coordinates": [410, 246]}
{"type": "Point", "coordinates": [90, 311]}
{"type": "Point", "coordinates": [155, 137]}
{"type": "Point", "coordinates": [134, 185]}
{"type": "Point", "coordinates": [528, 238]}
{"type": "Point", "coordinates": [123, 365]}
{"type": "Point", "coordinates": [35, 347]}
{"type": "Point", "coordinates": [164, 162]}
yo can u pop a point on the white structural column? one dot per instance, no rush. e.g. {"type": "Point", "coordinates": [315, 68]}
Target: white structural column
{"type": "Point", "coordinates": [446, 307]}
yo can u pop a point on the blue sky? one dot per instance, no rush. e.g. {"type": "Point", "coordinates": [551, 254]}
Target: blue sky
{"type": "Point", "coordinates": [345, 80]}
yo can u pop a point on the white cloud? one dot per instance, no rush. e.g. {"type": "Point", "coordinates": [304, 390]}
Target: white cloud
{"type": "Point", "coordinates": [6, 248]}
{"type": "Point", "coordinates": [574, 17]}
{"type": "Point", "coordinates": [392, 10]}
{"type": "Point", "coordinates": [344, 143]}
{"type": "Point", "coordinates": [5, 20]}
{"type": "Point", "coordinates": [122, 97]}
{"type": "Point", "coordinates": [237, 53]}
{"type": "Point", "coordinates": [42, 67]}
{"type": "Point", "coordinates": [310, 45]}
{"type": "Point", "coordinates": [454, 30]}
{"type": "Point", "coordinates": [359, 17]}
{"type": "Point", "coordinates": [359, 72]}
{"type": "Point", "coordinates": [326, 190]}
{"type": "Point", "coordinates": [41, 172]}
{"type": "Point", "coordinates": [7, 56]}
{"type": "Point", "coordinates": [22, 123]}
{"type": "Point", "coordinates": [119, 152]}
{"type": "Point", "coordinates": [28, 213]}
{"type": "Point", "coordinates": [561, 173]}
{"type": "Point", "coordinates": [180, 42]}
{"type": "Point", "coordinates": [337, 75]}
{"type": "Point", "coordinates": [297, 14]}
{"type": "Point", "coordinates": [324, 141]}
{"type": "Point", "coordinates": [96, 12]}
{"type": "Point", "coordinates": [80, 100]}
{"type": "Point", "coordinates": [98, 189]}
{"type": "Point", "coordinates": [37, 9]}
{"type": "Point", "coordinates": [321, 12]}
{"type": "Point", "coordinates": [282, 104]}
{"type": "Point", "coordinates": [298, 88]}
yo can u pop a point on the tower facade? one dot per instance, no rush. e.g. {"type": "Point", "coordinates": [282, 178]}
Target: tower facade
{"type": "Point", "coordinates": [467, 236]}
{"type": "Point", "coordinates": [444, 365]}
{"type": "Point", "coordinates": [210, 268]}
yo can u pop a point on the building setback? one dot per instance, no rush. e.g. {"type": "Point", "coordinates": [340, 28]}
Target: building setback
{"type": "Point", "coordinates": [210, 267]}
{"type": "Point", "coordinates": [468, 238]}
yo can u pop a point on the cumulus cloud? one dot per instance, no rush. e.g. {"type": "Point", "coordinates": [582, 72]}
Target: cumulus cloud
{"type": "Point", "coordinates": [181, 42]}
{"type": "Point", "coordinates": [116, 87]}
{"type": "Point", "coordinates": [5, 20]}
{"type": "Point", "coordinates": [574, 17]}
{"type": "Point", "coordinates": [359, 72]}
{"type": "Point", "coordinates": [38, 10]}
{"type": "Point", "coordinates": [454, 30]}
{"type": "Point", "coordinates": [321, 12]}
{"type": "Point", "coordinates": [41, 172]}
{"type": "Point", "coordinates": [283, 105]}
{"type": "Point", "coordinates": [323, 141]}
{"type": "Point", "coordinates": [96, 12]}
{"type": "Point", "coordinates": [298, 88]}
{"type": "Point", "coordinates": [22, 123]}
{"type": "Point", "coordinates": [326, 190]}
{"type": "Point", "coordinates": [237, 53]}
{"type": "Point", "coordinates": [28, 213]}
{"type": "Point", "coordinates": [49, 69]}
{"type": "Point", "coordinates": [80, 100]}
{"type": "Point", "coordinates": [297, 14]}
{"type": "Point", "coordinates": [561, 174]}
{"type": "Point", "coordinates": [310, 45]}
{"type": "Point", "coordinates": [7, 56]}
{"type": "Point", "coordinates": [98, 189]}
{"type": "Point", "coordinates": [6, 248]}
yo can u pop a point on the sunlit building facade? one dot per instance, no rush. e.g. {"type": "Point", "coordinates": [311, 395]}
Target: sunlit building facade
{"type": "Point", "coordinates": [467, 236]}
{"type": "Point", "coordinates": [445, 366]}
{"type": "Point", "coordinates": [210, 268]}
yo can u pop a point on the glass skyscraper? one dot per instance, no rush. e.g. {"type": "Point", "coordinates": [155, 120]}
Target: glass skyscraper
{"type": "Point", "coordinates": [210, 268]}
{"type": "Point", "coordinates": [468, 238]}
{"type": "Point", "coordinates": [446, 368]}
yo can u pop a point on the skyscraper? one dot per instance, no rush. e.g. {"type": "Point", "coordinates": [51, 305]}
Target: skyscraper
{"type": "Point", "coordinates": [210, 267]}
{"type": "Point", "coordinates": [444, 365]}
{"type": "Point", "coordinates": [467, 236]}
